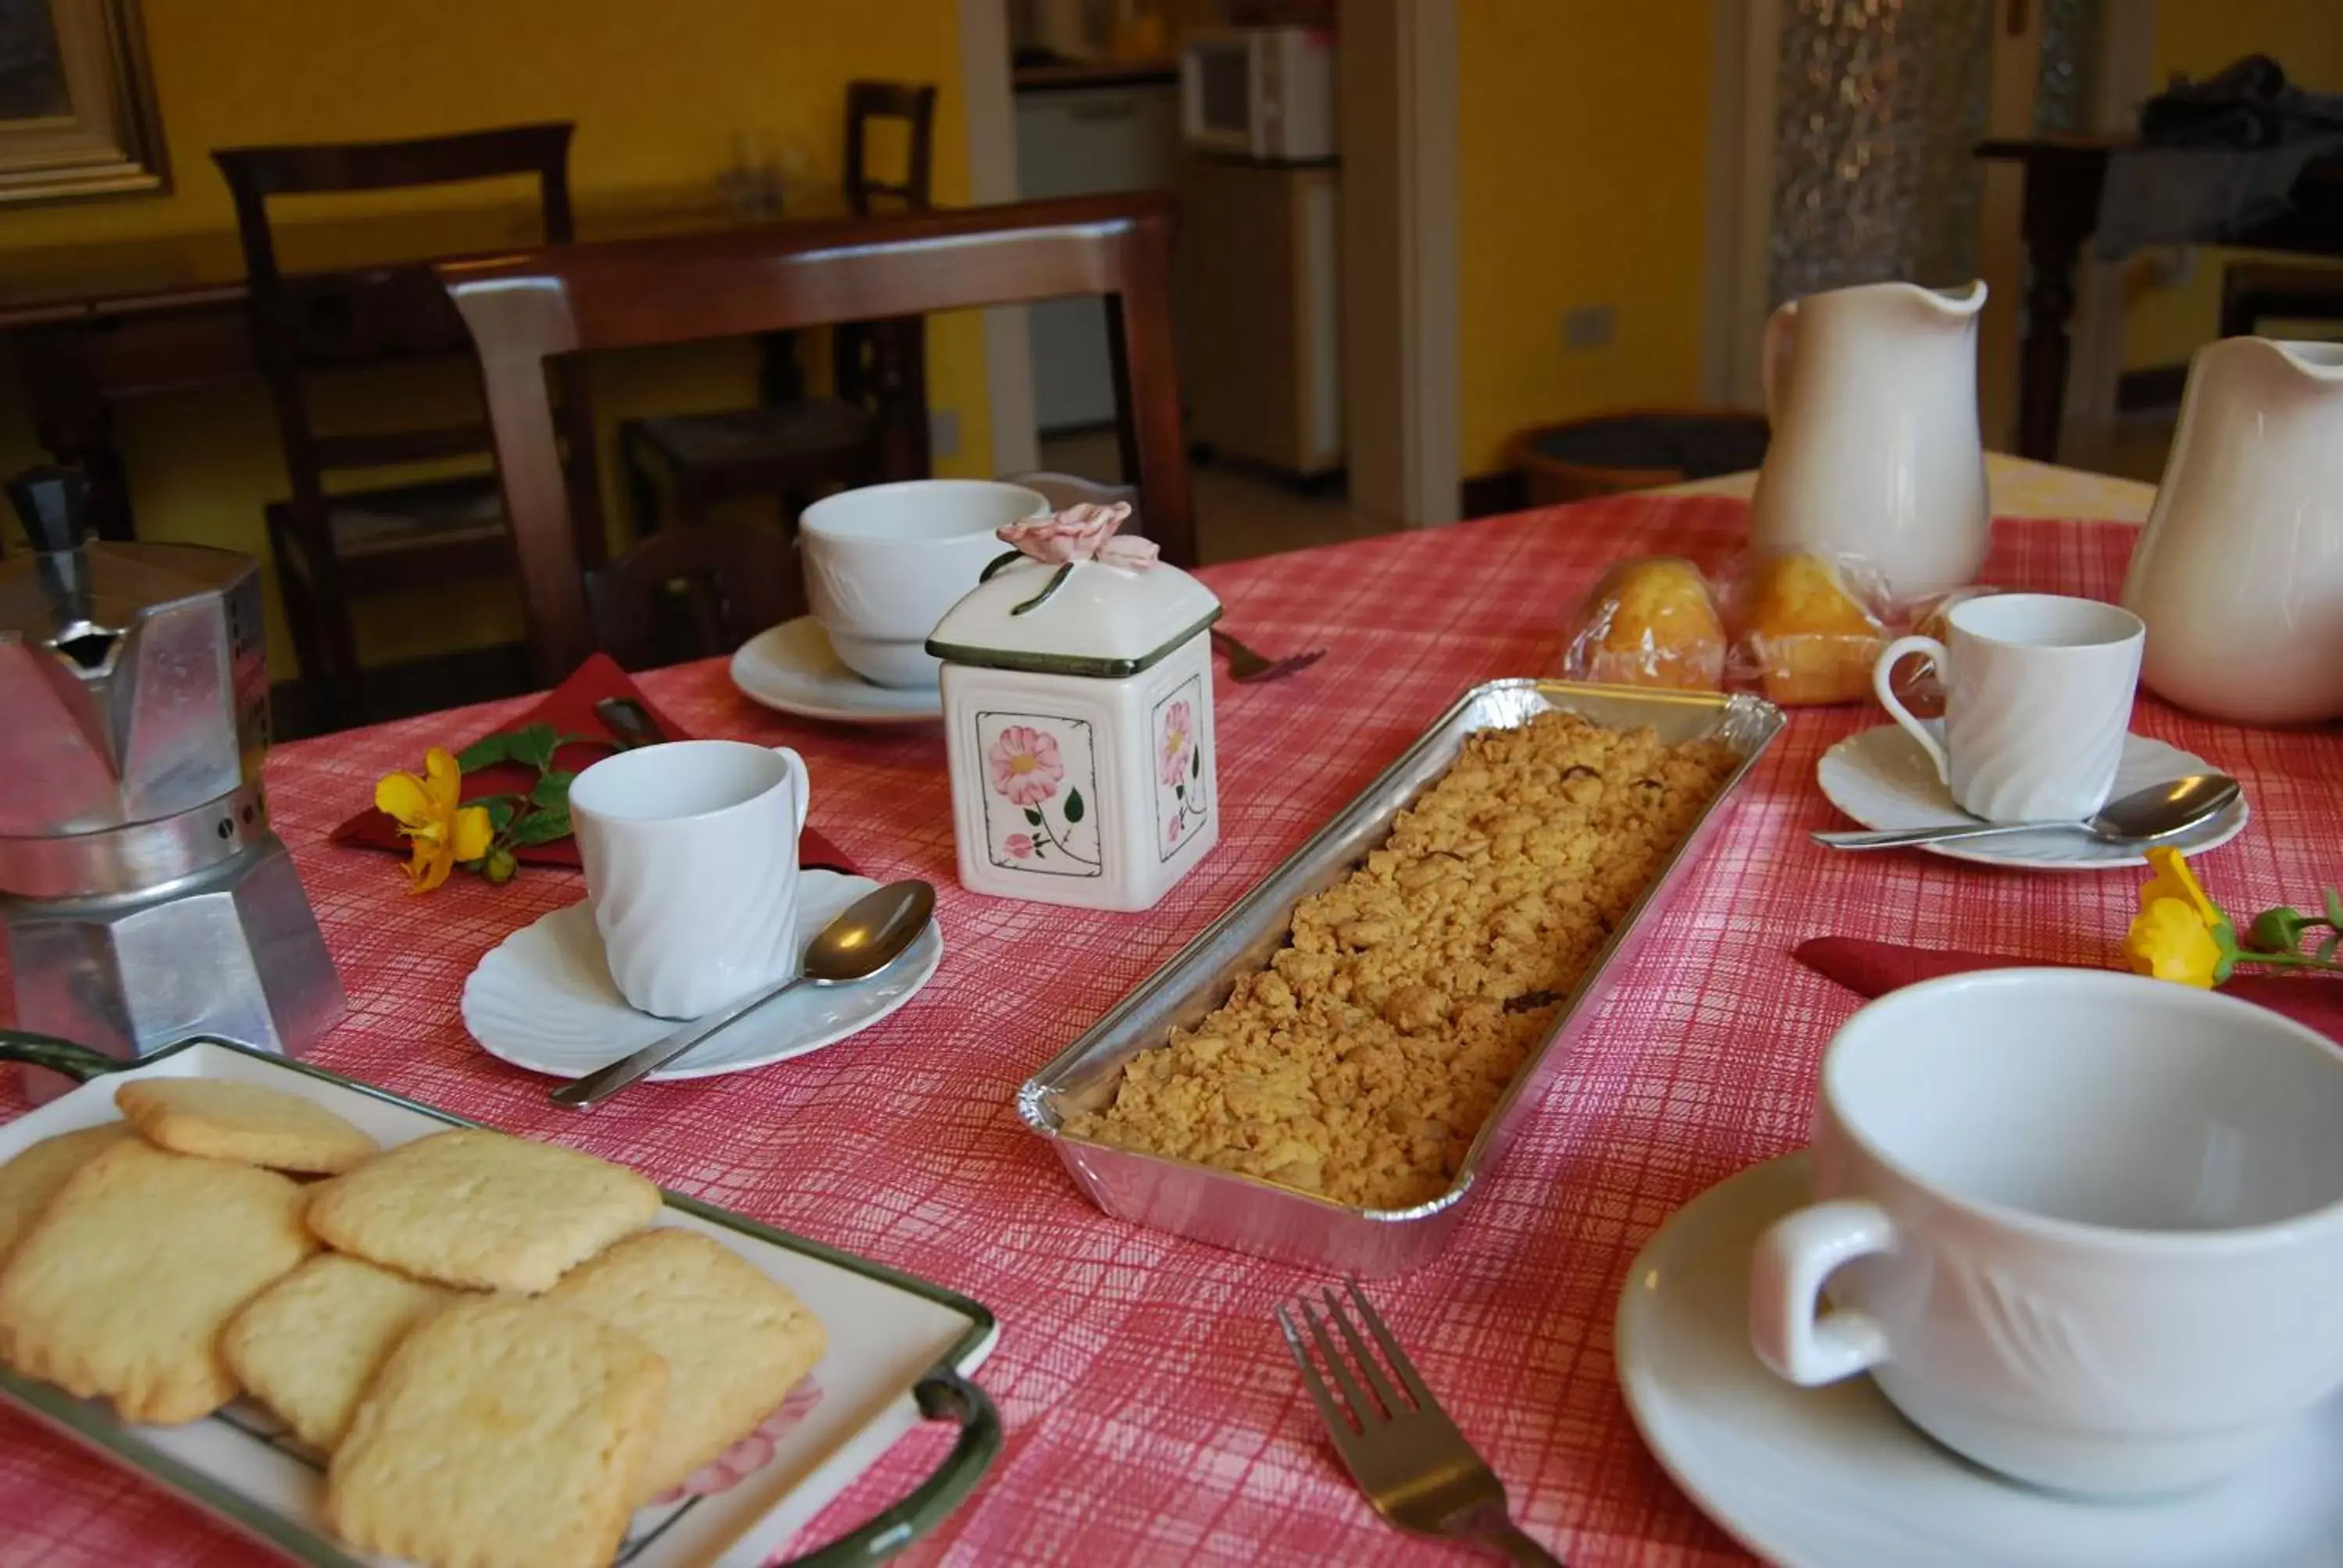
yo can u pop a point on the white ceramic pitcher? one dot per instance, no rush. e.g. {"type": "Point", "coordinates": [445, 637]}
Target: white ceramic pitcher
{"type": "Point", "coordinates": [1872, 392]}
{"type": "Point", "coordinates": [2238, 573]}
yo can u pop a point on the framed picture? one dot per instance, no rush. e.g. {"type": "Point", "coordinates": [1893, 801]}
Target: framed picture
{"type": "Point", "coordinates": [77, 104]}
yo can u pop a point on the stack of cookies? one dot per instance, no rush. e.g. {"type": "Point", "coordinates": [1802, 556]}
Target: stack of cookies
{"type": "Point", "coordinates": [498, 1358]}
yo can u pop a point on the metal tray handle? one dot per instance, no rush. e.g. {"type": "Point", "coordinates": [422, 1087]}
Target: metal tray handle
{"type": "Point", "coordinates": [78, 1062]}
{"type": "Point", "coordinates": [943, 1395]}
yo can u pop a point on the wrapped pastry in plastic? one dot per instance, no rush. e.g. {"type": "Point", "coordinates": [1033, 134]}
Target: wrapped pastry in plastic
{"type": "Point", "coordinates": [1650, 621]}
{"type": "Point", "coordinates": [1810, 631]}
{"type": "Point", "coordinates": [1917, 683]}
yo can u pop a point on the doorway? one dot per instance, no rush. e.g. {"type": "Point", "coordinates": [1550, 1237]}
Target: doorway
{"type": "Point", "coordinates": [1397, 320]}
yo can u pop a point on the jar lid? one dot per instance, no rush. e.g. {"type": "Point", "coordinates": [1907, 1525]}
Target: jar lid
{"type": "Point", "coordinates": [1090, 617]}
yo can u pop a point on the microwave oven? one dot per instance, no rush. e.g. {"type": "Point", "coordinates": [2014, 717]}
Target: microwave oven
{"type": "Point", "coordinates": [1264, 92]}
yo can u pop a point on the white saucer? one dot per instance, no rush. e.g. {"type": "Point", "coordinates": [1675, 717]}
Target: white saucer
{"type": "Point", "coordinates": [1835, 1478]}
{"type": "Point", "coordinates": [1882, 778]}
{"type": "Point", "coordinates": [793, 667]}
{"type": "Point", "coordinates": [544, 1000]}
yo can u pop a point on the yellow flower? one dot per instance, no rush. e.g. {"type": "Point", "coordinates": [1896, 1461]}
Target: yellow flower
{"type": "Point", "coordinates": [2174, 879]}
{"type": "Point", "coordinates": [439, 831]}
{"type": "Point", "coordinates": [2172, 940]}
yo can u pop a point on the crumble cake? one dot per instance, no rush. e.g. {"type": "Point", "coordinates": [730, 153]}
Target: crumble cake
{"type": "Point", "coordinates": [1362, 1062]}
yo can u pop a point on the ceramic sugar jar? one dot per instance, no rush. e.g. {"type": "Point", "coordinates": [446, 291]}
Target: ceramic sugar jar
{"type": "Point", "coordinates": [1078, 712]}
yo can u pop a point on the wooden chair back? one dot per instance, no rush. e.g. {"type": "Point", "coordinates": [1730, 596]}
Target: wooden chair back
{"type": "Point", "coordinates": [1063, 490]}
{"type": "Point", "coordinates": [688, 593]}
{"type": "Point", "coordinates": [915, 106]}
{"type": "Point", "coordinates": [526, 310]}
{"type": "Point", "coordinates": [302, 323]}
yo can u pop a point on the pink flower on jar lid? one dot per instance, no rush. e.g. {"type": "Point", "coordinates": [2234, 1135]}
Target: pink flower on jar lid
{"type": "Point", "coordinates": [1019, 846]}
{"type": "Point", "coordinates": [1083, 532]}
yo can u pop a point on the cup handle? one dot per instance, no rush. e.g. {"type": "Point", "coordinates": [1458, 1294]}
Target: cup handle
{"type": "Point", "coordinates": [800, 787]}
{"type": "Point", "coordinates": [1787, 1276]}
{"type": "Point", "coordinates": [1882, 683]}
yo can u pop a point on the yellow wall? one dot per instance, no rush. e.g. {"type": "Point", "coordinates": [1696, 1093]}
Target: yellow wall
{"type": "Point", "coordinates": [1581, 145]}
{"type": "Point", "coordinates": [658, 91]}
{"type": "Point", "coordinates": [2165, 324]}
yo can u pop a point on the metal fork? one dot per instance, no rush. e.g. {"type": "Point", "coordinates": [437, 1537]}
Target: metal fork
{"type": "Point", "coordinates": [1246, 666]}
{"type": "Point", "coordinates": [1406, 1455]}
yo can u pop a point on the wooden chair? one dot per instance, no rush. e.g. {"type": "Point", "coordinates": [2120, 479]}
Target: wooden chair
{"type": "Point", "coordinates": [688, 593]}
{"type": "Point", "coordinates": [867, 102]}
{"type": "Point", "coordinates": [332, 548]}
{"type": "Point", "coordinates": [914, 104]}
{"type": "Point", "coordinates": [1063, 490]}
{"type": "Point", "coordinates": [794, 447]}
{"type": "Point", "coordinates": [526, 310]}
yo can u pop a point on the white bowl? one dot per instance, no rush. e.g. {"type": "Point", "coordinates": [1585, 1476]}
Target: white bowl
{"type": "Point", "coordinates": [883, 563]}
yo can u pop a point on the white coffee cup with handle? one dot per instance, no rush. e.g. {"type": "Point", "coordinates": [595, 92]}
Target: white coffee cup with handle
{"type": "Point", "coordinates": [2085, 1228]}
{"type": "Point", "coordinates": [2037, 703]}
{"type": "Point", "coordinates": [690, 851]}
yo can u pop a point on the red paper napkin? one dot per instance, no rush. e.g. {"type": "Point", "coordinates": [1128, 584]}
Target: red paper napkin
{"type": "Point", "coordinates": [569, 708]}
{"type": "Point", "coordinates": [1873, 967]}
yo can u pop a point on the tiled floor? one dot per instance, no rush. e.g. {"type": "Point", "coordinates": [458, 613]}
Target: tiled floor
{"type": "Point", "coordinates": [1239, 512]}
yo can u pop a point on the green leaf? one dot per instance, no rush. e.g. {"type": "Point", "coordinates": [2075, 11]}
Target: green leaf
{"type": "Point", "coordinates": [486, 752]}
{"type": "Point", "coordinates": [2327, 948]}
{"type": "Point", "coordinates": [552, 789]}
{"type": "Point", "coordinates": [1180, 790]}
{"type": "Point", "coordinates": [1073, 805]}
{"type": "Point", "coordinates": [541, 827]}
{"type": "Point", "coordinates": [1196, 763]}
{"type": "Point", "coordinates": [500, 811]}
{"type": "Point", "coordinates": [2334, 907]}
{"type": "Point", "coordinates": [1032, 816]}
{"type": "Point", "coordinates": [534, 745]}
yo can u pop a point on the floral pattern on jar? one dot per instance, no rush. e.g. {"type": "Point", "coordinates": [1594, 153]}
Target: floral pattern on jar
{"type": "Point", "coordinates": [1040, 793]}
{"type": "Point", "coordinates": [1182, 781]}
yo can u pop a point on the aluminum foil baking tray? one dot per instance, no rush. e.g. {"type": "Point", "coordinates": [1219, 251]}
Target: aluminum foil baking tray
{"type": "Point", "coordinates": [1250, 1215]}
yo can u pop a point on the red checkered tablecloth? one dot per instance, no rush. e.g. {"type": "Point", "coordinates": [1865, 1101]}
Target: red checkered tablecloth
{"type": "Point", "coordinates": [1152, 1416]}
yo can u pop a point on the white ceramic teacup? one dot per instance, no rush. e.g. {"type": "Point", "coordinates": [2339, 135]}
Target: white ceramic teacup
{"type": "Point", "coordinates": [2085, 1228]}
{"type": "Point", "coordinates": [690, 851]}
{"type": "Point", "coordinates": [2037, 703]}
{"type": "Point", "coordinates": [883, 563]}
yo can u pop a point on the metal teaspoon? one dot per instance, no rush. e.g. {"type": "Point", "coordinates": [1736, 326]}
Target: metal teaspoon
{"type": "Point", "coordinates": [2142, 817]}
{"type": "Point", "coordinates": [870, 933]}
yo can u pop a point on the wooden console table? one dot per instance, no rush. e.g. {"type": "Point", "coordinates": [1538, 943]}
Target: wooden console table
{"type": "Point", "coordinates": [2064, 176]}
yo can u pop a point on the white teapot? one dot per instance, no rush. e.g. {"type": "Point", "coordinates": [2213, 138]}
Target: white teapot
{"type": "Point", "coordinates": [2238, 572]}
{"type": "Point", "coordinates": [1872, 392]}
